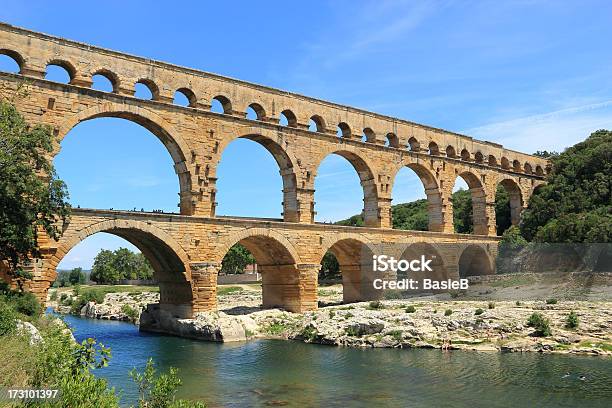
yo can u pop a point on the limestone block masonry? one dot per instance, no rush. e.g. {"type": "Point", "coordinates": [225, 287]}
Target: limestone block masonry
{"type": "Point", "coordinates": [186, 250]}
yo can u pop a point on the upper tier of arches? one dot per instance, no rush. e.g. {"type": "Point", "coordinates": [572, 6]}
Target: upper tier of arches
{"type": "Point", "coordinates": [33, 53]}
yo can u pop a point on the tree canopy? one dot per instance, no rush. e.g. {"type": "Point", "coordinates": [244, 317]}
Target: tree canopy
{"type": "Point", "coordinates": [31, 195]}
{"type": "Point", "coordinates": [575, 205]}
{"type": "Point", "coordinates": [236, 259]}
{"type": "Point", "coordinates": [113, 266]}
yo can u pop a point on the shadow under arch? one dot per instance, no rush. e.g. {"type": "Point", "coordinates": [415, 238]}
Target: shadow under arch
{"type": "Point", "coordinates": [285, 162]}
{"type": "Point", "coordinates": [367, 181]}
{"type": "Point", "coordinates": [474, 261]}
{"type": "Point", "coordinates": [430, 253]}
{"type": "Point", "coordinates": [354, 256]}
{"type": "Point", "coordinates": [516, 199]}
{"type": "Point", "coordinates": [170, 138]}
{"type": "Point", "coordinates": [432, 191]}
{"type": "Point", "coordinates": [169, 261]}
{"type": "Point", "coordinates": [277, 261]}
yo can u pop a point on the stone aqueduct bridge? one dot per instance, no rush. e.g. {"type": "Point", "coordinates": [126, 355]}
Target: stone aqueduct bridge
{"type": "Point", "coordinates": [186, 250]}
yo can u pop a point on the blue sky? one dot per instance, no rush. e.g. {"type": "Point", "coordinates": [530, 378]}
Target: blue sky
{"type": "Point", "coordinates": [531, 75]}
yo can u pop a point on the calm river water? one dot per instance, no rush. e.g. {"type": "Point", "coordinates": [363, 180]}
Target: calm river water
{"type": "Point", "coordinates": [284, 373]}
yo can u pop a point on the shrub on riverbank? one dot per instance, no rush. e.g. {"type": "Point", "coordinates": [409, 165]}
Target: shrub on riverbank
{"type": "Point", "coordinates": [572, 320]}
{"type": "Point", "coordinates": [540, 324]}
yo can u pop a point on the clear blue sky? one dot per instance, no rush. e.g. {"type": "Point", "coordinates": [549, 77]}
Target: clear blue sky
{"type": "Point", "coordinates": [531, 75]}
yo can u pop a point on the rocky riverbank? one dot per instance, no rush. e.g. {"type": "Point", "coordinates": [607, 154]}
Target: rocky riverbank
{"type": "Point", "coordinates": [466, 323]}
{"type": "Point", "coordinates": [456, 325]}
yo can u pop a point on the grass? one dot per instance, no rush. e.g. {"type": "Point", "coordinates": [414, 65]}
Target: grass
{"type": "Point", "coordinates": [228, 290]}
{"type": "Point", "coordinates": [599, 344]}
{"type": "Point", "coordinates": [323, 292]}
{"type": "Point", "coordinates": [276, 328]}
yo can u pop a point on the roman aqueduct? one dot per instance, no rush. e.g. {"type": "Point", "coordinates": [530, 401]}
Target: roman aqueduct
{"type": "Point", "coordinates": [186, 249]}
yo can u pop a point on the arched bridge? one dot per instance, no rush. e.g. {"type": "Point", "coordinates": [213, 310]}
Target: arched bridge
{"type": "Point", "coordinates": [186, 249]}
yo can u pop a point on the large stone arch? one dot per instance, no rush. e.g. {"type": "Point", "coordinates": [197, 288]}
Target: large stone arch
{"type": "Point", "coordinates": [283, 284]}
{"type": "Point", "coordinates": [479, 201]}
{"type": "Point", "coordinates": [285, 160]}
{"type": "Point", "coordinates": [354, 255]}
{"type": "Point", "coordinates": [475, 261]}
{"type": "Point", "coordinates": [515, 195]}
{"type": "Point", "coordinates": [170, 137]}
{"type": "Point", "coordinates": [169, 260]}
{"type": "Point", "coordinates": [432, 252]}
{"type": "Point", "coordinates": [367, 178]}
{"type": "Point", "coordinates": [432, 191]}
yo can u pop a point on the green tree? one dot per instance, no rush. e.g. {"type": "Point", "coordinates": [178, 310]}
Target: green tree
{"type": "Point", "coordinates": [110, 267]}
{"type": "Point", "coordinates": [236, 259]}
{"type": "Point", "coordinates": [503, 219]}
{"type": "Point", "coordinates": [103, 270]}
{"type": "Point", "coordinates": [330, 268]}
{"type": "Point", "coordinates": [462, 212]}
{"type": "Point", "coordinates": [575, 205]}
{"type": "Point", "coordinates": [76, 276]}
{"type": "Point", "coordinates": [31, 195]}
{"type": "Point", "coordinates": [411, 216]}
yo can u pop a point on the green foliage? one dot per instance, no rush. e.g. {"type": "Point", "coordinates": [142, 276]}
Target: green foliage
{"type": "Point", "coordinates": [76, 276]}
{"type": "Point", "coordinates": [276, 328]}
{"type": "Point", "coordinates": [330, 268]}
{"type": "Point", "coordinates": [53, 296]}
{"type": "Point", "coordinates": [236, 260]}
{"type": "Point", "coordinates": [503, 219]}
{"type": "Point", "coordinates": [551, 301]}
{"type": "Point", "coordinates": [309, 333]}
{"type": "Point", "coordinates": [448, 312]}
{"type": "Point", "coordinates": [411, 216]}
{"type": "Point", "coordinates": [478, 312]}
{"type": "Point", "coordinates": [113, 266]}
{"type": "Point", "coordinates": [375, 305]}
{"type": "Point", "coordinates": [576, 203]}
{"type": "Point", "coordinates": [226, 290]}
{"type": "Point", "coordinates": [88, 295]}
{"type": "Point", "coordinates": [410, 309]}
{"type": "Point", "coordinates": [7, 318]}
{"type": "Point", "coordinates": [396, 334]}
{"type": "Point", "coordinates": [354, 221]}
{"type": "Point", "coordinates": [27, 201]}
{"type": "Point", "coordinates": [462, 212]}
{"type": "Point", "coordinates": [540, 324]}
{"type": "Point", "coordinates": [131, 312]}
{"type": "Point", "coordinates": [26, 303]}
{"type": "Point", "coordinates": [572, 320]}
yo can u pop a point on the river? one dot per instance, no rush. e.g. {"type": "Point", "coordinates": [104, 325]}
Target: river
{"type": "Point", "coordinates": [287, 373]}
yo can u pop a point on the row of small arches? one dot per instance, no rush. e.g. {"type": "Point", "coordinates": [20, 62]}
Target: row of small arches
{"type": "Point", "coordinates": [107, 81]}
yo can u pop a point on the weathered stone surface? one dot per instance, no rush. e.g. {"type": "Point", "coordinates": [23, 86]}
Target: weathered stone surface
{"type": "Point", "coordinates": [28, 330]}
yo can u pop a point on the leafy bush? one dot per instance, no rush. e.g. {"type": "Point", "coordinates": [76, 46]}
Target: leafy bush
{"type": "Point", "coordinates": [376, 304]}
{"type": "Point", "coordinates": [448, 312]}
{"type": "Point", "coordinates": [53, 296]}
{"type": "Point", "coordinates": [572, 320]}
{"type": "Point", "coordinates": [159, 391]}
{"type": "Point", "coordinates": [7, 318]}
{"type": "Point", "coordinates": [540, 324]}
{"type": "Point", "coordinates": [276, 328]}
{"type": "Point", "coordinates": [552, 301]}
{"type": "Point", "coordinates": [309, 333]}
{"type": "Point", "coordinates": [410, 309]}
{"type": "Point", "coordinates": [131, 312]}
{"type": "Point", "coordinates": [478, 312]}
{"type": "Point", "coordinates": [491, 305]}
{"type": "Point", "coordinates": [396, 334]}
{"type": "Point", "coordinates": [27, 304]}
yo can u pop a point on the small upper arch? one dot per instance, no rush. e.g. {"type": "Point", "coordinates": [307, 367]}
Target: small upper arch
{"type": "Point", "coordinates": [288, 118]}
{"type": "Point", "coordinates": [479, 157]}
{"type": "Point", "coordinates": [110, 76]}
{"type": "Point", "coordinates": [413, 144]}
{"type": "Point", "coordinates": [505, 163]}
{"type": "Point", "coordinates": [450, 151]}
{"type": "Point", "coordinates": [15, 56]}
{"type": "Point", "coordinates": [260, 112]}
{"type": "Point", "coordinates": [465, 155]}
{"type": "Point", "coordinates": [516, 166]}
{"type": "Point", "coordinates": [151, 86]}
{"type": "Point", "coordinates": [188, 95]}
{"type": "Point", "coordinates": [539, 171]}
{"type": "Point", "coordinates": [492, 161]}
{"type": "Point", "coordinates": [65, 65]}
{"type": "Point", "coordinates": [392, 140]}
{"type": "Point", "coordinates": [528, 169]}
{"type": "Point", "coordinates": [221, 104]}
{"type": "Point", "coordinates": [368, 135]}
{"type": "Point", "coordinates": [343, 130]}
{"type": "Point", "coordinates": [434, 150]}
{"type": "Point", "coordinates": [317, 124]}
